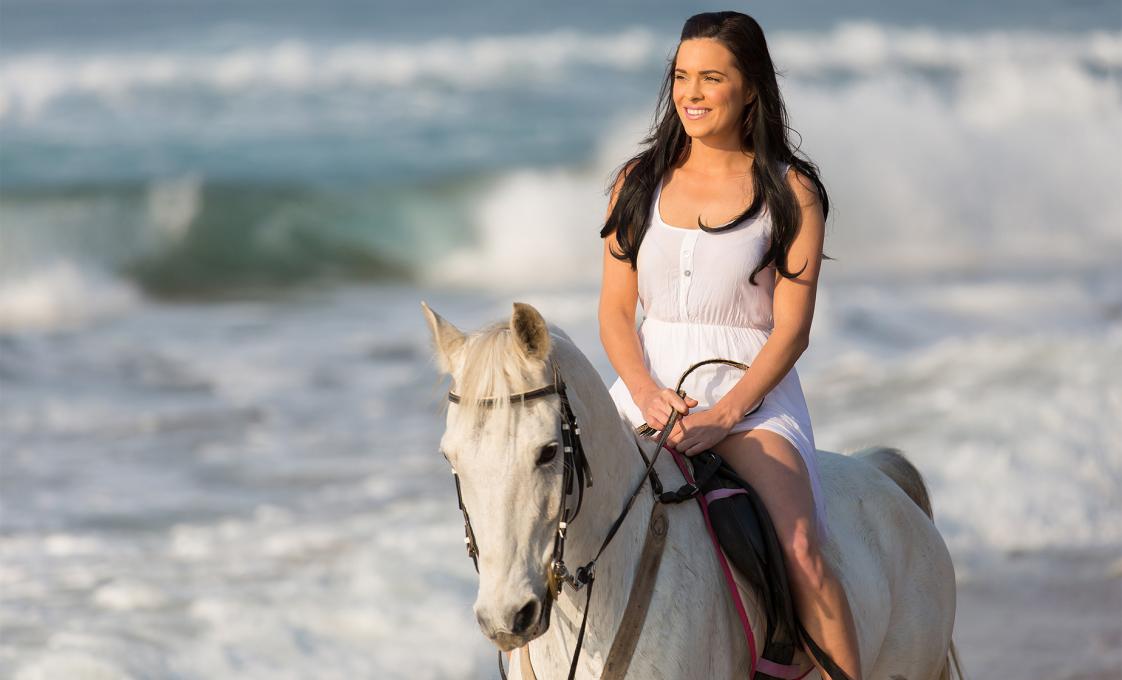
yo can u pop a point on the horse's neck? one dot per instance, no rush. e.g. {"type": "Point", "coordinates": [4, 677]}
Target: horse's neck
{"type": "Point", "coordinates": [688, 571]}
{"type": "Point", "coordinates": [616, 469]}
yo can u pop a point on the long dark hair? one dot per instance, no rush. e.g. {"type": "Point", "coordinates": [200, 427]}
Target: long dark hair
{"type": "Point", "coordinates": [763, 130]}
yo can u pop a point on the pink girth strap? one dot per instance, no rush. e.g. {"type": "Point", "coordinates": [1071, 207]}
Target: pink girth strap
{"type": "Point", "coordinates": [756, 663]}
{"type": "Point", "coordinates": [718, 494]}
{"type": "Point", "coordinates": [781, 670]}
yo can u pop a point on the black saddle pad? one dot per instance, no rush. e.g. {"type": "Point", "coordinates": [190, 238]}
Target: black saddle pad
{"type": "Point", "coordinates": [745, 531]}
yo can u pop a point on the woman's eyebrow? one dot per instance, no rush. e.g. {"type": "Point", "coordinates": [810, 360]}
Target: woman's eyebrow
{"type": "Point", "coordinates": [701, 72]}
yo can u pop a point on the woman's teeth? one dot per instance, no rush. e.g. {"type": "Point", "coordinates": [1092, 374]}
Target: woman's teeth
{"type": "Point", "coordinates": [694, 114]}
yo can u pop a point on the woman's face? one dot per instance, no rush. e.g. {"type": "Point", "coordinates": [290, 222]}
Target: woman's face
{"type": "Point", "coordinates": [709, 91]}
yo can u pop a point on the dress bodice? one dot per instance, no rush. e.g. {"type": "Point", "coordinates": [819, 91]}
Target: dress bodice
{"type": "Point", "coordinates": [691, 275]}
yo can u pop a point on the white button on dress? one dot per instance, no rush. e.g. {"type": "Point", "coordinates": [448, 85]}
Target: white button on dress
{"type": "Point", "coordinates": [698, 304]}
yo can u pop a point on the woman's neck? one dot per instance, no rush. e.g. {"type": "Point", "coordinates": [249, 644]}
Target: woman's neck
{"type": "Point", "coordinates": [717, 158]}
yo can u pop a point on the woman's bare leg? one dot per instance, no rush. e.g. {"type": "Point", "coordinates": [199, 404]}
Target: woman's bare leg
{"type": "Point", "coordinates": [778, 474]}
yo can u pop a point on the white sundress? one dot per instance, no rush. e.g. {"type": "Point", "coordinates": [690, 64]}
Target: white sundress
{"type": "Point", "coordinates": [698, 304]}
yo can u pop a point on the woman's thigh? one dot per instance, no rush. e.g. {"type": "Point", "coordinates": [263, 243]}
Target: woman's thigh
{"type": "Point", "coordinates": [776, 470]}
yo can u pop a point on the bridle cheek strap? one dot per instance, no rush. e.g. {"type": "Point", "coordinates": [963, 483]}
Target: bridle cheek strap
{"type": "Point", "coordinates": [575, 478]}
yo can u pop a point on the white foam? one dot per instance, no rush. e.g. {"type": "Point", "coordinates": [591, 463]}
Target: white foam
{"type": "Point", "coordinates": [172, 205]}
{"type": "Point", "coordinates": [533, 227]}
{"type": "Point", "coordinates": [1018, 436]}
{"type": "Point", "coordinates": [33, 81]}
{"type": "Point", "coordinates": [129, 594]}
{"type": "Point", "coordinates": [71, 545]}
{"type": "Point", "coordinates": [867, 47]}
{"type": "Point", "coordinates": [70, 664]}
{"type": "Point", "coordinates": [62, 294]}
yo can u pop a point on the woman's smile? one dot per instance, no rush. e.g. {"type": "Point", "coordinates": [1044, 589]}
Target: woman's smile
{"type": "Point", "coordinates": [695, 113]}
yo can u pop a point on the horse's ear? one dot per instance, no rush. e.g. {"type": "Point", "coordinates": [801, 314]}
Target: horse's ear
{"type": "Point", "coordinates": [447, 340]}
{"type": "Point", "coordinates": [530, 331]}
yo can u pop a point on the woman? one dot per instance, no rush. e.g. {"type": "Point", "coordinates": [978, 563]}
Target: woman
{"type": "Point", "coordinates": [743, 290]}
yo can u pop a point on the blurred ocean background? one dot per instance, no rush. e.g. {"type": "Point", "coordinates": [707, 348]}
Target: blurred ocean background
{"type": "Point", "coordinates": [218, 409]}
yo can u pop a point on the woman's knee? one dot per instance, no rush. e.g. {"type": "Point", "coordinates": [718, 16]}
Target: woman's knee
{"type": "Point", "coordinates": [804, 559]}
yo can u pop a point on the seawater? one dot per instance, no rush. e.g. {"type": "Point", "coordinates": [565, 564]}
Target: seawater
{"type": "Point", "coordinates": [218, 408]}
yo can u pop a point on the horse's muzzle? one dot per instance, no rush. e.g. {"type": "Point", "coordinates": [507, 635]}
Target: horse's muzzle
{"type": "Point", "coordinates": [523, 625]}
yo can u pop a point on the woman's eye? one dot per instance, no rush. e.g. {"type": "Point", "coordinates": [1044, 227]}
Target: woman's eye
{"type": "Point", "coordinates": [547, 453]}
{"type": "Point", "coordinates": [711, 78]}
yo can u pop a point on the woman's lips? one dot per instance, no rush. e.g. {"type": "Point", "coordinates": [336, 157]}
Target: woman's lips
{"type": "Point", "coordinates": [695, 113]}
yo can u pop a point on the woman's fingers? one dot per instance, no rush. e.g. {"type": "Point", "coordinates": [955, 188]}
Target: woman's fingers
{"type": "Point", "coordinates": [660, 412]}
{"type": "Point", "coordinates": [667, 411]}
{"type": "Point", "coordinates": [682, 405]}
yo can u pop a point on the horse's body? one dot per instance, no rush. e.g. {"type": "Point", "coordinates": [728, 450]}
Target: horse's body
{"type": "Point", "coordinates": [885, 550]}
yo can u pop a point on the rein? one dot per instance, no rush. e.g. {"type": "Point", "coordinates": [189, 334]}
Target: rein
{"type": "Point", "coordinates": [576, 469]}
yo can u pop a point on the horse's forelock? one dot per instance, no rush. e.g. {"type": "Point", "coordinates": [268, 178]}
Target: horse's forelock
{"type": "Point", "coordinates": [491, 367]}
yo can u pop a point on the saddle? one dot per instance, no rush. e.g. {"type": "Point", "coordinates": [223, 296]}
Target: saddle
{"type": "Point", "coordinates": [746, 533]}
{"type": "Point", "coordinates": [743, 527]}
{"type": "Point", "coordinates": [738, 520]}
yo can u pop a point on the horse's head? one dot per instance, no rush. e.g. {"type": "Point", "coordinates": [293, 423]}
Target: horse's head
{"type": "Point", "coordinates": [509, 461]}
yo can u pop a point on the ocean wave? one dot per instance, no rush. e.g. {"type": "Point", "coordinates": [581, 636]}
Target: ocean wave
{"type": "Point", "coordinates": [31, 82]}
{"type": "Point", "coordinates": [1017, 434]}
{"type": "Point", "coordinates": [191, 238]}
{"type": "Point", "coordinates": [866, 47]}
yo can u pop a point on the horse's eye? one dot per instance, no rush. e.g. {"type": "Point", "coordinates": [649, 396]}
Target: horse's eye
{"type": "Point", "coordinates": [547, 453]}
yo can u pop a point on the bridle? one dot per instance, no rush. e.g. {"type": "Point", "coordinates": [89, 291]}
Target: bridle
{"type": "Point", "coordinates": [576, 476]}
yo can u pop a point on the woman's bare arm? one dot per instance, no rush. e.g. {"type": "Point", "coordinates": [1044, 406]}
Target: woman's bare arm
{"type": "Point", "coordinates": [619, 293]}
{"type": "Point", "coordinates": [792, 308]}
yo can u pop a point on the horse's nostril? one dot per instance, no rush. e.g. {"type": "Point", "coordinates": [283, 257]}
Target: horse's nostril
{"type": "Point", "coordinates": [524, 618]}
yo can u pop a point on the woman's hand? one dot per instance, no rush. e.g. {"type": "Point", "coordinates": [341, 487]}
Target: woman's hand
{"type": "Point", "coordinates": [657, 403]}
{"type": "Point", "coordinates": [701, 431]}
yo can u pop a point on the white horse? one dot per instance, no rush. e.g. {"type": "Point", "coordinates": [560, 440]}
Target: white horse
{"type": "Point", "coordinates": [885, 548]}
